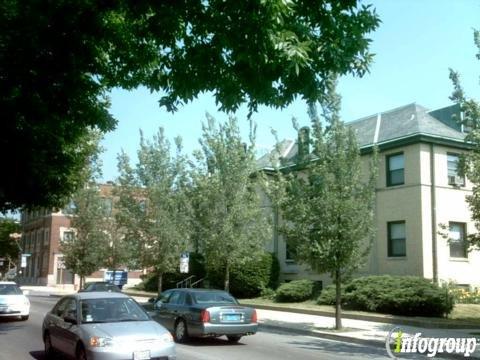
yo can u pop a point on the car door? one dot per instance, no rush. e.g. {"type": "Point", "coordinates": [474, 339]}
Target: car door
{"type": "Point", "coordinates": [160, 308]}
{"type": "Point", "coordinates": [168, 310]}
{"type": "Point", "coordinates": [176, 307]}
{"type": "Point", "coordinates": [66, 332]}
{"type": "Point", "coordinates": [53, 323]}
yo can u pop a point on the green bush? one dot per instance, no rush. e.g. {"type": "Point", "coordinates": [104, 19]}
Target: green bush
{"type": "Point", "coordinates": [397, 295]}
{"type": "Point", "coordinates": [248, 280]}
{"type": "Point", "coordinates": [328, 295]}
{"type": "Point", "coordinates": [294, 291]}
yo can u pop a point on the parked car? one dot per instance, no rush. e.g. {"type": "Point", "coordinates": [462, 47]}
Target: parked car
{"type": "Point", "coordinates": [100, 286]}
{"type": "Point", "coordinates": [104, 325]}
{"type": "Point", "coordinates": [204, 313]}
{"type": "Point", "coordinates": [13, 302]}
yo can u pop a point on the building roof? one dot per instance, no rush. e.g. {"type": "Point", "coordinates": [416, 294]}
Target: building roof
{"type": "Point", "coordinates": [398, 124]}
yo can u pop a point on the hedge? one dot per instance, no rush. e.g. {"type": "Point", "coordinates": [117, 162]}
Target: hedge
{"type": "Point", "coordinates": [397, 295]}
{"type": "Point", "coordinates": [294, 291]}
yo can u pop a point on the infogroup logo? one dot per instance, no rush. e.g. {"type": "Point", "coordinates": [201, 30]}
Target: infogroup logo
{"type": "Point", "coordinates": [398, 342]}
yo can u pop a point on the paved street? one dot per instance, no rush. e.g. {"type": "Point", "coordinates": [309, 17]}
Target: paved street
{"type": "Point", "coordinates": [22, 340]}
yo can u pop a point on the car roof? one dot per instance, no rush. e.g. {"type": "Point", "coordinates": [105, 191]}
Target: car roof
{"type": "Point", "coordinates": [197, 290]}
{"type": "Point", "coordinates": [8, 283]}
{"type": "Point", "coordinates": [98, 295]}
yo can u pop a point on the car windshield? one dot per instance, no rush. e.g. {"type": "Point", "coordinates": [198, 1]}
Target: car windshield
{"type": "Point", "coordinates": [111, 310]}
{"type": "Point", "coordinates": [213, 297]}
{"type": "Point", "coordinates": [10, 289]}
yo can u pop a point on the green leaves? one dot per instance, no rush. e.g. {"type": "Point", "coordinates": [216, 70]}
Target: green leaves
{"type": "Point", "coordinates": [229, 221]}
{"type": "Point", "coordinates": [58, 64]}
{"type": "Point", "coordinates": [328, 203]}
{"type": "Point", "coordinates": [470, 162]}
{"type": "Point", "coordinates": [153, 206]}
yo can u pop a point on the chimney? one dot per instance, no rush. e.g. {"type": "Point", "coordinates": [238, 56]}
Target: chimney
{"type": "Point", "coordinates": [303, 143]}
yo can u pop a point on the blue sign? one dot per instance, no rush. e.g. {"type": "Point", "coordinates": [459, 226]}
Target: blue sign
{"type": "Point", "coordinates": [117, 277]}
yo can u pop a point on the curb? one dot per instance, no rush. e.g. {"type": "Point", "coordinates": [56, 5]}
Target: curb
{"type": "Point", "coordinates": [385, 320]}
{"type": "Point", "coordinates": [348, 339]}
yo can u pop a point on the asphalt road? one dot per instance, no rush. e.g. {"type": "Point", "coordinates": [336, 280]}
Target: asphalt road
{"type": "Point", "coordinates": [22, 340]}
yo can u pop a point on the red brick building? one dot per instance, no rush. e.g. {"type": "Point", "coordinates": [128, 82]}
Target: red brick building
{"type": "Point", "coordinates": [42, 231]}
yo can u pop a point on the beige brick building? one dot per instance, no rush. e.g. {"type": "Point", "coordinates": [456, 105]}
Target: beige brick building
{"type": "Point", "coordinates": [418, 190]}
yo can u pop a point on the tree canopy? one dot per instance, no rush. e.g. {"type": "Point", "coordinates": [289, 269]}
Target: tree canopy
{"type": "Point", "coordinates": [59, 60]}
{"type": "Point", "coordinates": [470, 162]}
{"type": "Point", "coordinates": [232, 227]}
{"type": "Point", "coordinates": [152, 205]}
{"type": "Point", "coordinates": [329, 202]}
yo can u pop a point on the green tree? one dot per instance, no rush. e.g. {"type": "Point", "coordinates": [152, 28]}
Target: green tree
{"type": "Point", "coordinates": [234, 227]}
{"type": "Point", "coordinates": [9, 248]}
{"type": "Point", "coordinates": [470, 162]}
{"type": "Point", "coordinates": [328, 207]}
{"type": "Point", "coordinates": [153, 207]}
{"type": "Point", "coordinates": [58, 63]}
{"type": "Point", "coordinates": [85, 251]}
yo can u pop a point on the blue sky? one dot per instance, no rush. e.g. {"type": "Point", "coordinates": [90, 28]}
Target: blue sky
{"type": "Point", "coordinates": [415, 45]}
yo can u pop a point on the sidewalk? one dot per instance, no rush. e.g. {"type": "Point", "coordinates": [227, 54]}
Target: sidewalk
{"type": "Point", "coordinates": [356, 331]}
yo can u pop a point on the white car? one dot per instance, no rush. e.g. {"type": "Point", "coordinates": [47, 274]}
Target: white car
{"type": "Point", "coordinates": [13, 302]}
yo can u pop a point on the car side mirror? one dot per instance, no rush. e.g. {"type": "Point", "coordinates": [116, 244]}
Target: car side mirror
{"type": "Point", "coordinates": [70, 319]}
{"type": "Point", "coordinates": [151, 300]}
{"type": "Point", "coordinates": [158, 305]}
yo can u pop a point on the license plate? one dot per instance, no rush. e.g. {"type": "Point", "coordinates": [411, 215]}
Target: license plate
{"type": "Point", "coordinates": [141, 355]}
{"type": "Point", "coordinates": [231, 317]}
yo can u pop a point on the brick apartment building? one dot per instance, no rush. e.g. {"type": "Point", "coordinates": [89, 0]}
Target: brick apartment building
{"type": "Point", "coordinates": [42, 231]}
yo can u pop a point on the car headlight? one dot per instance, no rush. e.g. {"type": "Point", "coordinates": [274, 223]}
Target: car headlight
{"type": "Point", "coordinates": [166, 338]}
{"type": "Point", "coordinates": [98, 341]}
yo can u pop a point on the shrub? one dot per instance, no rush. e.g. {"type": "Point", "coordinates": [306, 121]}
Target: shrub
{"type": "Point", "coordinates": [464, 296]}
{"type": "Point", "coordinates": [398, 295]}
{"type": "Point", "coordinates": [268, 293]}
{"type": "Point", "coordinates": [248, 280]}
{"type": "Point", "coordinates": [328, 295]}
{"type": "Point", "coordinates": [294, 291]}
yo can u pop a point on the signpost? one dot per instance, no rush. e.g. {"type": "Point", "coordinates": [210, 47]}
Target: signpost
{"type": "Point", "coordinates": [184, 260]}
{"type": "Point", "coordinates": [24, 260]}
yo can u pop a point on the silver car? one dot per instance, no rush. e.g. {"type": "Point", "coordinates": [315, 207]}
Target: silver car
{"type": "Point", "coordinates": [104, 325]}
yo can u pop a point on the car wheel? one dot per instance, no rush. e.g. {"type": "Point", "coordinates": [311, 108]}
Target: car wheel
{"type": "Point", "coordinates": [181, 332]}
{"type": "Point", "coordinates": [49, 350]}
{"type": "Point", "coordinates": [24, 317]}
{"type": "Point", "coordinates": [233, 338]}
{"type": "Point", "coordinates": [80, 354]}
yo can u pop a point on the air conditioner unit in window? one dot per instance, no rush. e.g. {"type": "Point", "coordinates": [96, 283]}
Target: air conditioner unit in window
{"type": "Point", "coordinates": [459, 180]}
{"type": "Point", "coordinates": [451, 180]}
{"type": "Point", "coordinates": [455, 180]}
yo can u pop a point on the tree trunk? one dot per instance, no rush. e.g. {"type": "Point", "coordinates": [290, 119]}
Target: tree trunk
{"type": "Point", "coordinates": [227, 278]}
{"type": "Point", "coordinates": [159, 283]}
{"type": "Point", "coordinates": [338, 300]}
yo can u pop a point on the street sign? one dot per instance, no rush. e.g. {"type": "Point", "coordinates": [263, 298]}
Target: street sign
{"type": "Point", "coordinates": [60, 264]}
{"type": "Point", "coordinates": [26, 254]}
{"type": "Point", "coordinates": [184, 259]}
{"type": "Point", "coordinates": [23, 262]}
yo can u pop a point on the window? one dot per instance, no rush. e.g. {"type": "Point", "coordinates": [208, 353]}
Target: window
{"type": "Point", "coordinates": [46, 239]}
{"type": "Point", "coordinates": [458, 246]}
{"type": "Point", "coordinates": [68, 236]}
{"type": "Point", "coordinates": [396, 239]}
{"type": "Point", "coordinates": [452, 166]}
{"type": "Point", "coordinates": [290, 251]}
{"type": "Point", "coordinates": [395, 169]}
